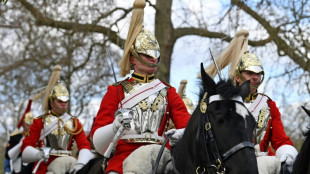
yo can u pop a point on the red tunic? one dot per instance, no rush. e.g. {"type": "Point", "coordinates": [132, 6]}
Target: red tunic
{"type": "Point", "coordinates": [176, 110]}
{"type": "Point", "coordinates": [275, 132]}
{"type": "Point", "coordinates": [33, 140]}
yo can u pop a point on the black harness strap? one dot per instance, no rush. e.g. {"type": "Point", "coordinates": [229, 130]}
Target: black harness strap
{"type": "Point", "coordinates": [160, 153]}
{"type": "Point", "coordinates": [236, 148]}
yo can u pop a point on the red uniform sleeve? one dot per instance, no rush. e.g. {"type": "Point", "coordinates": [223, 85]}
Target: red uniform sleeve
{"type": "Point", "coordinates": [108, 106]}
{"type": "Point", "coordinates": [81, 139]}
{"type": "Point", "coordinates": [33, 135]}
{"type": "Point", "coordinates": [275, 130]}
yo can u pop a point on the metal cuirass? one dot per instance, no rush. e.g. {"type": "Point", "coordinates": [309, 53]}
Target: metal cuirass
{"type": "Point", "coordinates": [149, 112]}
{"type": "Point", "coordinates": [262, 119]}
{"type": "Point", "coordinates": [59, 138]}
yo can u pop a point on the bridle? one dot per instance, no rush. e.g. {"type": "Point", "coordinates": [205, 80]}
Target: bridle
{"type": "Point", "coordinates": [211, 148]}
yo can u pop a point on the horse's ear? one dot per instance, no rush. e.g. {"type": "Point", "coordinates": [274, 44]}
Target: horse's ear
{"type": "Point", "coordinates": [245, 89]}
{"type": "Point", "coordinates": [207, 82]}
{"type": "Point", "coordinates": [306, 110]}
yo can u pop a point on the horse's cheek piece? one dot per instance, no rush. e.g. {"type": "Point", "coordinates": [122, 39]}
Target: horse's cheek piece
{"type": "Point", "coordinates": [203, 104]}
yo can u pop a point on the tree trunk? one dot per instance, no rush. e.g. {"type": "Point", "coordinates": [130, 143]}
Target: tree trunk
{"type": "Point", "coordinates": [164, 34]}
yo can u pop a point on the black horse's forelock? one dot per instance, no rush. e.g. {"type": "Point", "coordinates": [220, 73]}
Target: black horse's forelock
{"type": "Point", "coordinates": [224, 87]}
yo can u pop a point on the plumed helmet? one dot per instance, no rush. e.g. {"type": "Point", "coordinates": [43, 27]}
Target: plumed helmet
{"type": "Point", "coordinates": [54, 89]}
{"type": "Point", "coordinates": [189, 104]}
{"type": "Point", "coordinates": [26, 118]}
{"type": "Point", "coordinates": [249, 62]}
{"type": "Point", "coordinates": [60, 92]}
{"type": "Point", "coordinates": [146, 43]}
{"type": "Point", "coordinates": [139, 40]}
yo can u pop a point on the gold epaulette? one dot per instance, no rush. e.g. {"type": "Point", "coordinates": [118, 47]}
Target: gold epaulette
{"type": "Point", "coordinates": [118, 83]}
{"type": "Point", "coordinates": [265, 95]}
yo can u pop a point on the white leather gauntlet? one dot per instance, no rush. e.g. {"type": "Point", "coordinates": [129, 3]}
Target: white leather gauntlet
{"type": "Point", "coordinates": [287, 154]}
{"type": "Point", "coordinates": [31, 154]}
{"type": "Point", "coordinates": [176, 135]}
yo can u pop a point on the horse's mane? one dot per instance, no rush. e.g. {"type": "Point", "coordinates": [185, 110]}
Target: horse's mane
{"type": "Point", "coordinates": [224, 87]}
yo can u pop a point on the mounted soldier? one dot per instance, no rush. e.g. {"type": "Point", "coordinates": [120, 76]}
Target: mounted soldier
{"type": "Point", "coordinates": [137, 109]}
{"type": "Point", "coordinates": [51, 135]}
{"type": "Point", "coordinates": [187, 101]}
{"type": "Point", "coordinates": [273, 146]}
{"type": "Point", "coordinates": [15, 142]}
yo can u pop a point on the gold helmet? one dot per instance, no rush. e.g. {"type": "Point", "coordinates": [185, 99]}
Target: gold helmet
{"type": "Point", "coordinates": [55, 90]}
{"type": "Point", "coordinates": [138, 40]}
{"type": "Point", "coordinates": [146, 43]}
{"type": "Point", "coordinates": [249, 62]}
{"type": "Point", "coordinates": [189, 104]}
{"type": "Point", "coordinates": [59, 92]}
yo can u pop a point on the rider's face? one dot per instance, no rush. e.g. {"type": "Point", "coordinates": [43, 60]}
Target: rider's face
{"type": "Point", "coordinates": [255, 79]}
{"type": "Point", "coordinates": [141, 68]}
{"type": "Point", "coordinates": [59, 106]}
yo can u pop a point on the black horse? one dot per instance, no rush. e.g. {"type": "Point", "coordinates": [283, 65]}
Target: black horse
{"type": "Point", "coordinates": [302, 162]}
{"type": "Point", "coordinates": [218, 137]}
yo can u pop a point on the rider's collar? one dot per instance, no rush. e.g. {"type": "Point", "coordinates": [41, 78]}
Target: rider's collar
{"type": "Point", "coordinates": [251, 97]}
{"type": "Point", "coordinates": [142, 78]}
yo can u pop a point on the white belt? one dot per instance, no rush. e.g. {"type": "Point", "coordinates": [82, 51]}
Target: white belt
{"type": "Point", "coordinates": [143, 138]}
{"type": "Point", "coordinates": [60, 152]}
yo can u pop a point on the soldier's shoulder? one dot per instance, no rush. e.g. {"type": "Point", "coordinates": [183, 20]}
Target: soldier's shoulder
{"type": "Point", "coordinates": [265, 95]}
{"type": "Point", "coordinates": [119, 82]}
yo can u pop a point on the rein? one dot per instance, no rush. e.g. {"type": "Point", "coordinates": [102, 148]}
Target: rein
{"type": "Point", "coordinates": [211, 148]}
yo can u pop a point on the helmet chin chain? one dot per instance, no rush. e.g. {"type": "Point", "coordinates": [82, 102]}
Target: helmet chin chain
{"type": "Point", "coordinates": [144, 62]}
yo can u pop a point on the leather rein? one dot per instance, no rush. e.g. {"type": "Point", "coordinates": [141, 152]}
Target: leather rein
{"type": "Point", "coordinates": [211, 148]}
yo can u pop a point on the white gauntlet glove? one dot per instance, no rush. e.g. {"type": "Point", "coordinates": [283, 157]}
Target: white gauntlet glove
{"type": "Point", "coordinates": [76, 168]}
{"type": "Point", "coordinates": [84, 156]}
{"type": "Point", "coordinates": [31, 154]}
{"type": "Point", "coordinates": [123, 118]}
{"type": "Point", "coordinates": [176, 135]}
{"type": "Point", "coordinates": [287, 154]}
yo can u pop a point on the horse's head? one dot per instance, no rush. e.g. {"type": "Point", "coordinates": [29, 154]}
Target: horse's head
{"type": "Point", "coordinates": [220, 132]}
{"type": "Point", "coordinates": [230, 122]}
